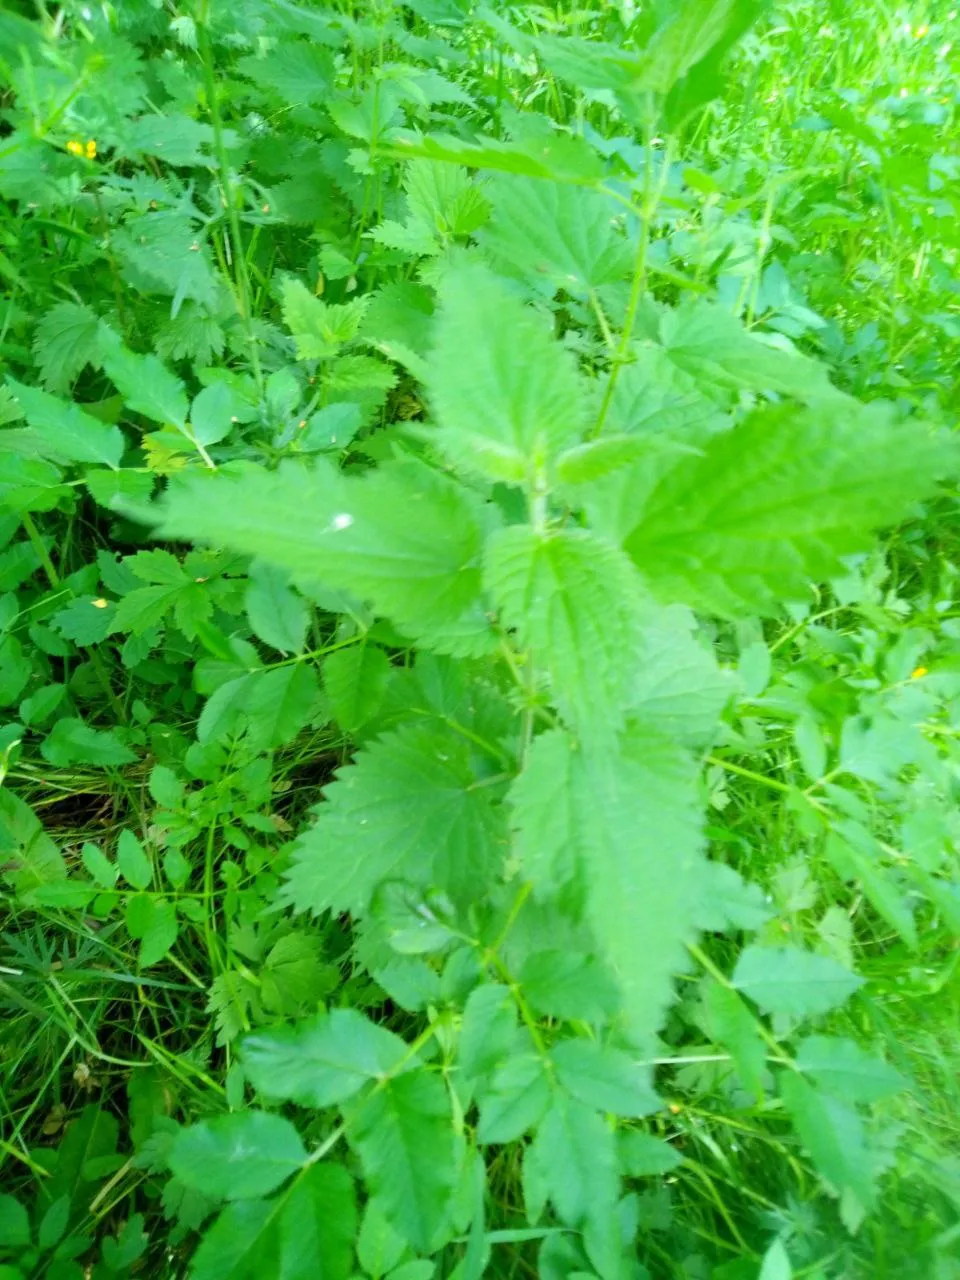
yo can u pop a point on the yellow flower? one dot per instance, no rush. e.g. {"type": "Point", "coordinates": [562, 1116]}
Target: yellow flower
{"type": "Point", "coordinates": [918, 672]}
{"type": "Point", "coordinates": [91, 150]}
{"type": "Point", "coordinates": [101, 603]}
{"type": "Point", "coordinates": [921, 32]}
{"type": "Point", "coordinates": [75, 147]}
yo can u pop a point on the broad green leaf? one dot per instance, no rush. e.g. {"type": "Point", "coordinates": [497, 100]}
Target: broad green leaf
{"type": "Point", "coordinates": [98, 866]}
{"type": "Point", "coordinates": [304, 1234]}
{"type": "Point", "coordinates": [277, 614]}
{"type": "Point", "coordinates": [603, 1077]}
{"type": "Point", "coordinates": [153, 922]}
{"type": "Point", "coordinates": [568, 984]}
{"type": "Point", "coordinates": [321, 1061]}
{"type": "Point", "coordinates": [842, 1068]}
{"type": "Point", "coordinates": [513, 1101]}
{"type": "Point", "coordinates": [553, 232]}
{"type": "Point", "coordinates": [687, 37]}
{"type": "Point", "coordinates": [727, 901]}
{"type": "Point", "coordinates": [14, 1224]}
{"type": "Point", "coordinates": [574, 1150]}
{"type": "Point", "coordinates": [730, 1023]}
{"type": "Point", "coordinates": [402, 536]}
{"type": "Point", "coordinates": [132, 861]}
{"type": "Point", "coordinates": [833, 1134]}
{"type": "Point", "coordinates": [212, 413]}
{"type": "Point", "coordinates": [776, 1263]}
{"type": "Point", "coordinates": [644, 1156]}
{"type": "Point", "coordinates": [71, 741]}
{"type": "Point", "coordinates": [856, 855]}
{"type": "Point", "coordinates": [677, 686]}
{"type": "Point", "coordinates": [712, 346]}
{"type": "Point", "coordinates": [278, 704]}
{"type": "Point", "coordinates": [575, 601]}
{"type": "Point", "coordinates": [64, 343]}
{"type": "Point", "coordinates": [409, 808]}
{"type": "Point", "coordinates": [502, 417]}
{"type": "Point", "coordinates": [64, 432]}
{"type": "Point", "coordinates": [625, 826]}
{"type": "Point", "coordinates": [403, 1132]}
{"type": "Point", "coordinates": [355, 680]}
{"type": "Point", "coordinates": [558, 157]}
{"type": "Point", "coordinates": [488, 1034]}
{"type": "Point", "coordinates": [775, 502]}
{"type": "Point", "coordinates": [319, 328]}
{"type": "Point", "coordinates": [146, 384]}
{"type": "Point", "coordinates": [792, 981]}
{"type": "Point", "coordinates": [239, 1156]}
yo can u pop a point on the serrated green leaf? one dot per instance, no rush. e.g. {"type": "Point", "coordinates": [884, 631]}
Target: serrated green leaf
{"type": "Point", "coordinates": [625, 824]}
{"type": "Point", "coordinates": [132, 861]}
{"type": "Point", "coordinates": [64, 343]}
{"type": "Point", "coordinates": [278, 704]}
{"type": "Point", "coordinates": [98, 866]}
{"type": "Point", "coordinates": [403, 537]}
{"type": "Point", "coordinates": [727, 901]}
{"type": "Point", "coordinates": [792, 981]}
{"type": "Point", "coordinates": [355, 680]}
{"type": "Point", "coordinates": [64, 432]}
{"type": "Point", "coordinates": [775, 502]}
{"type": "Point", "coordinates": [575, 1153]}
{"type": "Point", "coordinates": [146, 384]}
{"type": "Point", "coordinates": [306, 1234]}
{"type": "Point", "coordinates": [239, 1156]}
{"type": "Point", "coordinates": [14, 1224]}
{"type": "Point", "coordinates": [842, 1068]}
{"type": "Point", "coordinates": [833, 1134]}
{"type": "Point", "coordinates": [403, 1132]}
{"type": "Point", "coordinates": [604, 1077]}
{"type": "Point", "coordinates": [644, 1156]}
{"type": "Point", "coordinates": [71, 741]}
{"type": "Point", "coordinates": [322, 1061]}
{"type": "Point", "coordinates": [499, 416]}
{"type": "Point", "coordinates": [677, 685]}
{"type": "Point", "coordinates": [406, 808]}
{"type": "Point", "coordinates": [153, 922]}
{"type": "Point", "coordinates": [319, 328]}
{"type": "Point", "coordinates": [553, 232]}
{"type": "Point", "coordinates": [576, 602]}
{"type": "Point", "coordinates": [488, 1033]}
{"type": "Point", "coordinates": [568, 984]}
{"type": "Point", "coordinates": [730, 1023]}
{"type": "Point", "coordinates": [513, 1101]}
{"type": "Point", "coordinates": [277, 614]}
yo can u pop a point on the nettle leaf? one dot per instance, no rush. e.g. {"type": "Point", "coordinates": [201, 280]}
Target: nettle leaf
{"type": "Point", "coordinates": [65, 342]}
{"type": "Point", "coordinates": [403, 1132]}
{"type": "Point", "coordinates": [239, 1156]}
{"type": "Point", "coordinates": [629, 821]}
{"type": "Point", "coordinates": [72, 741]}
{"type": "Point", "coordinates": [777, 501]}
{"type": "Point", "coordinates": [842, 1068]}
{"type": "Point", "coordinates": [64, 432]}
{"type": "Point", "coordinates": [503, 417]}
{"type": "Point", "coordinates": [575, 601]}
{"type": "Point", "coordinates": [550, 231]}
{"type": "Point", "coordinates": [792, 981]}
{"type": "Point", "coordinates": [146, 384]}
{"type": "Point", "coordinates": [676, 685]}
{"type": "Point", "coordinates": [712, 346]}
{"type": "Point", "coordinates": [319, 328]}
{"type": "Point", "coordinates": [321, 1061]}
{"type": "Point", "coordinates": [403, 536]}
{"type": "Point", "coordinates": [407, 808]}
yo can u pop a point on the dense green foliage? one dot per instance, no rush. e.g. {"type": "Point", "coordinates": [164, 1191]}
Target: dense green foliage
{"type": "Point", "coordinates": [479, 659]}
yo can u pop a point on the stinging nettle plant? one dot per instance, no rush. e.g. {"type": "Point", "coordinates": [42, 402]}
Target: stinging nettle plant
{"type": "Point", "coordinates": [520, 595]}
{"type": "Point", "coordinates": [518, 838]}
